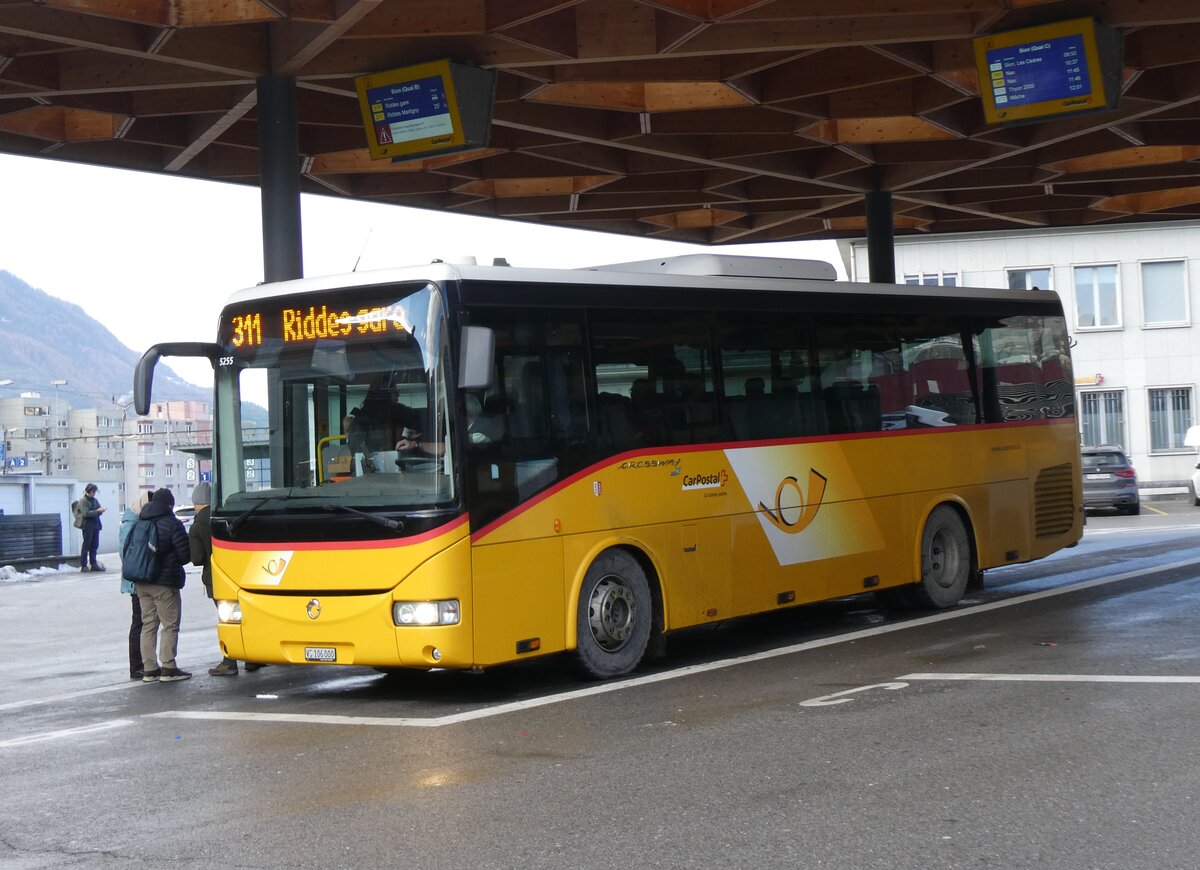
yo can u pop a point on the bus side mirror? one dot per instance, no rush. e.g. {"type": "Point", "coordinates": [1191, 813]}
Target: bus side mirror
{"type": "Point", "coordinates": [475, 358]}
{"type": "Point", "coordinates": [143, 373]}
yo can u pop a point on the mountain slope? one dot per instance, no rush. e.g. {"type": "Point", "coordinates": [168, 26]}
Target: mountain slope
{"type": "Point", "coordinates": [43, 338]}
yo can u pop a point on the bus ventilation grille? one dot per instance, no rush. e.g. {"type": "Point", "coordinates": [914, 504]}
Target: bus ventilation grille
{"type": "Point", "coordinates": [1054, 511]}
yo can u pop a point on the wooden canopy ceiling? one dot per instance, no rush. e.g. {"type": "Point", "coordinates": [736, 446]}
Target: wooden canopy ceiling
{"type": "Point", "coordinates": [709, 121]}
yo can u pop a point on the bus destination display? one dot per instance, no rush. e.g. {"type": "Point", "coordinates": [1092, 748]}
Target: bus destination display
{"type": "Point", "coordinates": [311, 323]}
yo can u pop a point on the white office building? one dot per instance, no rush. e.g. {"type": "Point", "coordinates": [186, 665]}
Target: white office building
{"type": "Point", "coordinates": [1130, 294]}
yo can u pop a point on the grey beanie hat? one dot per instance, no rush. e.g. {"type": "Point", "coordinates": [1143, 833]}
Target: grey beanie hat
{"type": "Point", "coordinates": [201, 493]}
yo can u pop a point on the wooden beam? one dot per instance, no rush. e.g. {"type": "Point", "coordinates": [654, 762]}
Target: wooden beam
{"type": "Point", "coordinates": [828, 72]}
{"type": "Point", "coordinates": [615, 29]}
{"type": "Point", "coordinates": [824, 10]}
{"type": "Point", "coordinates": [1153, 201]}
{"type": "Point", "coordinates": [421, 18]}
{"type": "Point", "coordinates": [511, 188]}
{"type": "Point", "coordinates": [56, 123]}
{"type": "Point", "coordinates": [1124, 158]}
{"type": "Point", "coordinates": [796, 35]}
{"type": "Point", "coordinates": [157, 12]}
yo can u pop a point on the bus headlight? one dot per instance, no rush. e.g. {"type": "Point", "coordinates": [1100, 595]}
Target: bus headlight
{"type": "Point", "coordinates": [229, 612]}
{"type": "Point", "coordinates": [425, 612]}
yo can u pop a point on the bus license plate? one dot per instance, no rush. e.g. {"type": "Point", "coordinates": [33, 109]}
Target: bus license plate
{"type": "Point", "coordinates": [1097, 476]}
{"type": "Point", "coordinates": [320, 654]}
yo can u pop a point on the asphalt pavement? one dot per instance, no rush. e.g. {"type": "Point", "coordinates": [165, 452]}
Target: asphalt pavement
{"type": "Point", "coordinates": [1049, 722]}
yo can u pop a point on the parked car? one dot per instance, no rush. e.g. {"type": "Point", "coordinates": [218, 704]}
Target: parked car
{"type": "Point", "coordinates": [186, 514]}
{"type": "Point", "coordinates": [1196, 485]}
{"type": "Point", "coordinates": [1109, 480]}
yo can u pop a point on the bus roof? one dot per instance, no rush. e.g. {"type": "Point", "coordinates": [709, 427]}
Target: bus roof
{"type": "Point", "coordinates": [694, 271]}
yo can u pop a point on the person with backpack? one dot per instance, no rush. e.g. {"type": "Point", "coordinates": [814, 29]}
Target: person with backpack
{"type": "Point", "coordinates": [89, 508]}
{"type": "Point", "coordinates": [159, 597]}
{"type": "Point", "coordinates": [200, 538]}
{"type": "Point", "coordinates": [128, 518]}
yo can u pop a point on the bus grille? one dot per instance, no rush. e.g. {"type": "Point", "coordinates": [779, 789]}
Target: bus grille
{"type": "Point", "coordinates": [1054, 501]}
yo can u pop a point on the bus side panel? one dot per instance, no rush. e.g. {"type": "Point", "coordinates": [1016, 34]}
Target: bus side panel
{"type": "Point", "coordinates": [1010, 502]}
{"type": "Point", "coordinates": [760, 579]}
{"type": "Point", "coordinates": [884, 538]}
{"type": "Point", "coordinates": [518, 596]}
{"type": "Point", "coordinates": [698, 576]}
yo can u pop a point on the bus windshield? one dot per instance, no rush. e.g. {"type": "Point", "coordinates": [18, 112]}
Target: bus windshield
{"type": "Point", "coordinates": [335, 399]}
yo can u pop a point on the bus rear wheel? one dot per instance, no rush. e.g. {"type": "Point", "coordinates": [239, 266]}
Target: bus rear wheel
{"type": "Point", "coordinates": [945, 561]}
{"type": "Point", "coordinates": [615, 615]}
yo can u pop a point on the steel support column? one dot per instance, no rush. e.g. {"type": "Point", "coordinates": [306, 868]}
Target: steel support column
{"type": "Point", "coordinates": [881, 251]}
{"type": "Point", "coordinates": [279, 178]}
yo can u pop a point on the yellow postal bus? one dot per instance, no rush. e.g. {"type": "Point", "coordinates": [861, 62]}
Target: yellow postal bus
{"type": "Point", "coordinates": [461, 466]}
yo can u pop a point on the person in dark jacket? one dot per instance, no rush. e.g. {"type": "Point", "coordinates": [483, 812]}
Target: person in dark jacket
{"type": "Point", "coordinates": [127, 587]}
{"type": "Point", "coordinates": [160, 598]}
{"type": "Point", "coordinates": [200, 539]}
{"type": "Point", "coordinates": [91, 530]}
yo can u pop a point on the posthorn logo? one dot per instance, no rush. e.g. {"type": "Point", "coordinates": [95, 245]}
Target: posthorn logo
{"type": "Point", "coordinates": [807, 508]}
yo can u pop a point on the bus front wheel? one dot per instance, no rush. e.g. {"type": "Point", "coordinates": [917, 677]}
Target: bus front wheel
{"type": "Point", "coordinates": [614, 618]}
{"type": "Point", "coordinates": [945, 560]}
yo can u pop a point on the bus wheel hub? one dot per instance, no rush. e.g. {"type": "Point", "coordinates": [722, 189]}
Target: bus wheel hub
{"type": "Point", "coordinates": [611, 613]}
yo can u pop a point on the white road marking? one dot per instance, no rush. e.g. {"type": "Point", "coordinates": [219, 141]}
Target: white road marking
{"type": "Point", "coordinates": [839, 697]}
{"type": "Point", "coordinates": [691, 670]}
{"type": "Point", "coordinates": [70, 696]}
{"type": "Point", "coordinates": [65, 732]}
{"type": "Point", "coordinates": [1056, 678]}
{"type": "Point", "coordinates": [1117, 530]}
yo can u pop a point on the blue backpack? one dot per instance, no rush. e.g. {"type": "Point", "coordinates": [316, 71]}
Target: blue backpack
{"type": "Point", "coordinates": [139, 556]}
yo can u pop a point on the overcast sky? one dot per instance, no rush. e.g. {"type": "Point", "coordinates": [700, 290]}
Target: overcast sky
{"type": "Point", "coordinates": [154, 257]}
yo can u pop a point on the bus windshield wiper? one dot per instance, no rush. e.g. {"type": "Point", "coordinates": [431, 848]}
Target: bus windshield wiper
{"type": "Point", "coordinates": [378, 519]}
{"type": "Point", "coordinates": [236, 522]}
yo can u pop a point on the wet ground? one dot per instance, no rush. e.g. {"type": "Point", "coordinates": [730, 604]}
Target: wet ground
{"type": "Point", "coordinates": [1050, 721]}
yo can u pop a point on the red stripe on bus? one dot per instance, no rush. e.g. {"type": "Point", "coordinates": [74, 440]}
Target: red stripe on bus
{"type": "Point", "coordinates": [385, 543]}
{"type": "Point", "coordinates": [477, 536]}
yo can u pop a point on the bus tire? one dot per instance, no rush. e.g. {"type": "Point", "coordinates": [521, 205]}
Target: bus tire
{"type": "Point", "coordinates": [945, 561]}
{"type": "Point", "coordinates": [615, 615]}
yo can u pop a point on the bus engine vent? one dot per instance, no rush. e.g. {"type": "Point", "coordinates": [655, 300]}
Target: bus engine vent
{"type": "Point", "coordinates": [1054, 501]}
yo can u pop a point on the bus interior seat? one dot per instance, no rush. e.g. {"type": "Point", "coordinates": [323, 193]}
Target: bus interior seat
{"type": "Point", "coordinates": [853, 407]}
{"type": "Point", "coordinates": [529, 419]}
{"type": "Point", "coordinates": [616, 427]}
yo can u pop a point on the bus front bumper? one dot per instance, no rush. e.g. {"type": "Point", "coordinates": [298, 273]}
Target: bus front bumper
{"type": "Point", "coordinates": [339, 629]}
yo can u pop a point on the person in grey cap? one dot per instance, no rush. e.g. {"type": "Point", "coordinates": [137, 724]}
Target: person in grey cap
{"type": "Point", "coordinates": [200, 543]}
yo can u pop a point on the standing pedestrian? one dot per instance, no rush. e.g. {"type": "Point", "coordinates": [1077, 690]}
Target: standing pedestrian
{"type": "Point", "coordinates": [160, 598]}
{"type": "Point", "coordinates": [135, 627]}
{"type": "Point", "coordinates": [200, 541]}
{"type": "Point", "coordinates": [91, 511]}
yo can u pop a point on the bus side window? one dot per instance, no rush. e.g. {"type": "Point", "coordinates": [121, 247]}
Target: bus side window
{"type": "Point", "coordinates": [665, 373]}
{"type": "Point", "coordinates": [861, 376]}
{"type": "Point", "coordinates": [1014, 388]}
{"type": "Point", "coordinates": [766, 373]}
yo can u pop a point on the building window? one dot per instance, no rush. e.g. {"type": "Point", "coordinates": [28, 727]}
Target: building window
{"type": "Point", "coordinates": [1102, 418]}
{"type": "Point", "coordinates": [1164, 293]}
{"type": "Point", "coordinates": [145, 471]}
{"type": "Point", "coordinates": [1170, 418]}
{"type": "Point", "coordinates": [1029, 279]}
{"type": "Point", "coordinates": [1097, 305]}
{"type": "Point", "coordinates": [145, 428]}
{"type": "Point", "coordinates": [933, 279]}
